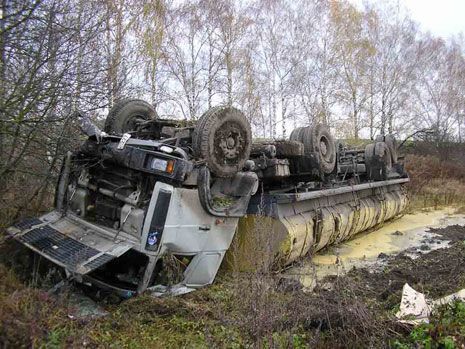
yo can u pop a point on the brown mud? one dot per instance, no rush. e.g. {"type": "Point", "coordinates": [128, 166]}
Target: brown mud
{"type": "Point", "coordinates": [436, 273]}
{"type": "Point", "coordinates": [358, 308]}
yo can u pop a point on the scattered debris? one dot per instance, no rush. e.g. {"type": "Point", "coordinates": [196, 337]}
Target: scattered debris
{"type": "Point", "coordinates": [383, 255]}
{"type": "Point", "coordinates": [415, 308]}
{"type": "Point", "coordinates": [84, 308]}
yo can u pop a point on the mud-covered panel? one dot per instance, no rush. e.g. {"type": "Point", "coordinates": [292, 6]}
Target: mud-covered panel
{"type": "Point", "coordinates": [310, 225]}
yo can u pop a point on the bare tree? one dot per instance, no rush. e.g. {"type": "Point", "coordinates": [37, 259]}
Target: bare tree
{"type": "Point", "coordinates": [150, 29]}
{"type": "Point", "coordinates": [353, 49]}
{"type": "Point", "coordinates": [438, 96]}
{"type": "Point", "coordinates": [42, 42]}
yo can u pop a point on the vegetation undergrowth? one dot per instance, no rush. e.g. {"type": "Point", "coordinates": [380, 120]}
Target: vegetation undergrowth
{"type": "Point", "coordinates": [253, 309]}
{"type": "Point", "coordinates": [435, 183]}
{"type": "Point", "coordinates": [446, 329]}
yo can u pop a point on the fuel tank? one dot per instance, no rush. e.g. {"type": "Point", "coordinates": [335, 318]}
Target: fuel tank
{"type": "Point", "coordinates": [280, 228]}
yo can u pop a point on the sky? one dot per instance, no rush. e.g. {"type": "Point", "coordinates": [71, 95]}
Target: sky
{"type": "Point", "coordinates": [440, 17]}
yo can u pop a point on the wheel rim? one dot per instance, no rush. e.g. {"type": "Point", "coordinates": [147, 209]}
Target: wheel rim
{"type": "Point", "coordinates": [134, 121]}
{"type": "Point", "coordinates": [229, 143]}
{"type": "Point", "coordinates": [324, 146]}
{"type": "Point", "coordinates": [326, 149]}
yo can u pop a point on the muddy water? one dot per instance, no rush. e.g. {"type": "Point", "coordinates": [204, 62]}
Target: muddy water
{"type": "Point", "coordinates": [408, 233]}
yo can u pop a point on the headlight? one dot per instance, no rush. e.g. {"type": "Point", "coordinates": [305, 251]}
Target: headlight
{"type": "Point", "coordinates": [162, 165]}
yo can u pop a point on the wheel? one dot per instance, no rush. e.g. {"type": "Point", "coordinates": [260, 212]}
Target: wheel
{"type": "Point", "coordinates": [323, 143]}
{"type": "Point", "coordinates": [371, 164]}
{"type": "Point", "coordinates": [369, 158]}
{"type": "Point", "coordinates": [383, 152]}
{"type": "Point", "coordinates": [317, 139]}
{"type": "Point", "coordinates": [296, 134]}
{"type": "Point", "coordinates": [223, 138]}
{"type": "Point", "coordinates": [126, 114]}
{"type": "Point", "coordinates": [391, 142]}
{"type": "Point", "coordinates": [303, 163]}
{"type": "Point", "coordinates": [378, 161]}
{"type": "Point", "coordinates": [288, 149]}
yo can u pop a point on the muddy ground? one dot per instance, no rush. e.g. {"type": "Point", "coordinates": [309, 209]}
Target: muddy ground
{"type": "Point", "coordinates": [435, 273]}
{"type": "Point", "coordinates": [251, 310]}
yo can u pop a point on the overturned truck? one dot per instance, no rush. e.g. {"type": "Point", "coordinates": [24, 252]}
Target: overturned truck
{"type": "Point", "coordinates": [147, 196]}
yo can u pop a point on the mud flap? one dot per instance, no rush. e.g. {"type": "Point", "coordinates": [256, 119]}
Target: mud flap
{"type": "Point", "coordinates": [65, 242]}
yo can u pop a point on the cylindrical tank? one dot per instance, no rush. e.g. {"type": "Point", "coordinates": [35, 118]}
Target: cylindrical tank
{"type": "Point", "coordinates": [281, 228]}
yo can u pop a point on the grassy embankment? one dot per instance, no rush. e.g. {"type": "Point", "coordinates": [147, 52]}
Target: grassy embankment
{"type": "Point", "coordinates": [249, 310]}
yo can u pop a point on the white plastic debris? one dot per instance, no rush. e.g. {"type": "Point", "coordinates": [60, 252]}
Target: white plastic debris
{"type": "Point", "coordinates": [175, 290]}
{"type": "Point", "coordinates": [415, 308]}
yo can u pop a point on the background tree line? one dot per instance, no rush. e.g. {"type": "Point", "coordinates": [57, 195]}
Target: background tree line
{"type": "Point", "coordinates": [284, 63]}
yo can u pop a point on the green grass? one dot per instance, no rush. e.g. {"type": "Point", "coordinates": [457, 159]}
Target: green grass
{"type": "Point", "coordinates": [222, 315]}
{"type": "Point", "coordinates": [445, 330]}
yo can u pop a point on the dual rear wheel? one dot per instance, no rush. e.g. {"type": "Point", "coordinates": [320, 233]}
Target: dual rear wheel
{"type": "Point", "coordinates": [223, 139]}
{"type": "Point", "coordinates": [319, 145]}
{"type": "Point", "coordinates": [380, 157]}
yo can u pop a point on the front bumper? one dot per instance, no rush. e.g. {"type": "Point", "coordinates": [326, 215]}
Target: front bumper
{"type": "Point", "coordinates": [67, 243]}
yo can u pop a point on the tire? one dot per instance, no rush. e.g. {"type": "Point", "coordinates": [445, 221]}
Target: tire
{"type": "Point", "coordinates": [378, 161]}
{"type": "Point", "coordinates": [126, 114]}
{"type": "Point", "coordinates": [371, 166]}
{"type": "Point", "coordinates": [383, 153]}
{"type": "Point", "coordinates": [200, 125]}
{"type": "Point", "coordinates": [369, 153]}
{"type": "Point", "coordinates": [223, 138]}
{"type": "Point", "coordinates": [391, 142]}
{"type": "Point", "coordinates": [296, 134]}
{"type": "Point", "coordinates": [303, 163]}
{"type": "Point", "coordinates": [317, 139]}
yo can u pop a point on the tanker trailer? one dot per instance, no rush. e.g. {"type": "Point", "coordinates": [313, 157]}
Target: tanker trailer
{"type": "Point", "coordinates": [154, 204]}
{"type": "Point", "coordinates": [316, 192]}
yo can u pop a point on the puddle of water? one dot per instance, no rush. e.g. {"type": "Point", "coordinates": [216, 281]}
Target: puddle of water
{"type": "Point", "coordinates": [406, 233]}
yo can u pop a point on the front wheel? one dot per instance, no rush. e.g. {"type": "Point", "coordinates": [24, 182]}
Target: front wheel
{"type": "Point", "coordinates": [223, 139]}
{"type": "Point", "coordinates": [127, 114]}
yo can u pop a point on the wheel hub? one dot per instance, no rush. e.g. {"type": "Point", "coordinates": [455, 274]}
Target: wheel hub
{"type": "Point", "coordinates": [323, 148]}
{"type": "Point", "coordinates": [133, 122]}
{"type": "Point", "coordinates": [230, 143]}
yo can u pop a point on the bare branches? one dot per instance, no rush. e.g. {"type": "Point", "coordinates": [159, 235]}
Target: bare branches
{"type": "Point", "coordinates": [285, 63]}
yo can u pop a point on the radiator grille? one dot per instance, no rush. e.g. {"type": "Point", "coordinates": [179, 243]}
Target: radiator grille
{"type": "Point", "coordinates": [58, 246]}
{"type": "Point", "coordinates": [27, 223]}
